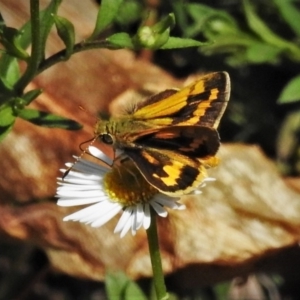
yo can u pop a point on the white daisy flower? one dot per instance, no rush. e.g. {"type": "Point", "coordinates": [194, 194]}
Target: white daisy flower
{"type": "Point", "coordinates": [109, 191]}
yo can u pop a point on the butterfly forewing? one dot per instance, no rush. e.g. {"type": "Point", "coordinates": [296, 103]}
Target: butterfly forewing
{"type": "Point", "coordinates": [201, 103]}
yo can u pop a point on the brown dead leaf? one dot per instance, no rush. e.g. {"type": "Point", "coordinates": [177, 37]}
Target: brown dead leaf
{"type": "Point", "coordinates": [245, 216]}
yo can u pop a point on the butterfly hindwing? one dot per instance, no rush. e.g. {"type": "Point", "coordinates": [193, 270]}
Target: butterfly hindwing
{"type": "Point", "coordinates": [173, 159]}
{"type": "Point", "coordinates": [168, 171]}
{"type": "Point", "coordinates": [192, 141]}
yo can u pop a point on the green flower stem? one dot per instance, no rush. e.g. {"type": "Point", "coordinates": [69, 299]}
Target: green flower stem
{"type": "Point", "coordinates": [82, 46]}
{"type": "Point", "coordinates": [36, 48]}
{"type": "Point", "coordinates": [158, 276]}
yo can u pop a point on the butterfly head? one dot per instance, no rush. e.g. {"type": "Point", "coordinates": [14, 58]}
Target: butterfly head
{"type": "Point", "coordinates": [105, 132]}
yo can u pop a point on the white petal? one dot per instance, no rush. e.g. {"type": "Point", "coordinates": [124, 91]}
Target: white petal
{"type": "Point", "coordinates": [159, 209]}
{"type": "Point", "coordinates": [133, 224]}
{"type": "Point", "coordinates": [82, 201]}
{"type": "Point", "coordinates": [76, 181]}
{"type": "Point", "coordinates": [73, 187]}
{"type": "Point", "coordinates": [180, 206]}
{"type": "Point", "coordinates": [79, 194]}
{"type": "Point", "coordinates": [147, 217]}
{"type": "Point", "coordinates": [100, 155]}
{"type": "Point", "coordinates": [126, 227]}
{"type": "Point", "coordinates": [90, 213]}
{"type": "Point", "coordinates": [164, 201]}
{"type": "Point", "coordinates": [139, 215]}
{"type": "Point", "coordinates": [108, 216]}
{"type": "Point", "coordinates": [124, 219]}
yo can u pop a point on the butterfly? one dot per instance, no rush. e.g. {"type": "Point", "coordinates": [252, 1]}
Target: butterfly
{"type": "Point", "coordinates": [172, 136]}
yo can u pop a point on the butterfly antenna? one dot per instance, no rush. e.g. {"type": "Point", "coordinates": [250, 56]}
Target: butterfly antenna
{"type": "Point", "coordinates": [84, 151]}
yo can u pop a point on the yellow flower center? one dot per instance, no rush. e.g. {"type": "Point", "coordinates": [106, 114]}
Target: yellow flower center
{"type": "Point", "coordinates": [126, 185]}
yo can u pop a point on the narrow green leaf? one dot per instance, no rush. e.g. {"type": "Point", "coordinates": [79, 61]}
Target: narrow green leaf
{"type": "Point", "coordinates": [176, 42]}
{"type": "Point", "coordinates": [66, 32]}
{"type": "Point", "coordinates": [31, 95]}
{"type": "Point", "coordinates": [291, 92]}
{"type": "Point", "coordinates": [9, 39]}
{"type": "Point", "coordinates": [263, 31]}
{"type": "Point", "coordinates": [118, 286]}
{"type": "Point", "coordinates": [48, 120]}
{"type": "Point", "coordinates": [121, 40]}
{"type": "Point", "coordinates": [106, 15]}
{"type": "Point", "coordinates": [25, 35]}
{"type": "Point", "coordinates": [290, 14]}
{"type": "Point", "coordinates": [47, 21]}
{"type": "Point", "coordinates": [8, 61]}
{"type": "Point", "coordinates": [179, 9]}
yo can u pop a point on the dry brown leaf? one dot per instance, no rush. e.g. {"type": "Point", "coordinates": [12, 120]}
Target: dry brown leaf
{"type": "Point", "coordinates": [246, 215]}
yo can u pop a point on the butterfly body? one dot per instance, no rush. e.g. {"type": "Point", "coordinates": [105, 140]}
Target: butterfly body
{"type": "Point", "coordinates": [172, 137]}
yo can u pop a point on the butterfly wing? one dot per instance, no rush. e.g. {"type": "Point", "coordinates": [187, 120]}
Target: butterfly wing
{"type": "Point", "coordinates": [168, 171]}
{"type": "Point", "coordinates": [174, 159]}
{"type": "Point", "coordinates": [196, 142]}
{"type": "Point", "coordinates": [201, 103]}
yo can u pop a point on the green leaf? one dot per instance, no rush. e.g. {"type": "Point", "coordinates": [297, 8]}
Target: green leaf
{"type": "Point", "coordinates": [9, 70]}
{"type": "Point", "coordinates": [129, 12]}
{"type": "Point", "coordinates": [266, 34]}
{"type": "Point", "coordinates": [121, 40]}
{"type": "Point", "coordinates": [175, 42]}
{"type": "Point", "coordinates": [7, 116]}
{"type": "Point", "coordinates": [262, 53]}
{"type": "Point", "coordinates": [46, 22]}
{"type": "Point", "coordinates": [5, 91]}
{"type": "Point", "coordinates": [106, 15]}
{"type": "Point", "coordinates": [291, 92]}
{"type": "Point", "coordinates": [25, 35]}
{"type": "Point", "coordinates": [10, 40]}
{"type": "Point", "coordinates": [118, 286]}
{"type": "Point", "coordinates": [7, 120]}
{"type": "Point", "coordinates": [209, 21]}
{"type": "Point", "coordinates": [66, 32]}
{"type": "Point", "coordinates": [48, 120]}
{"type": "Point", "coordinates": [31, 95]}
{"type": "Point", "coordinates": [290, 14]}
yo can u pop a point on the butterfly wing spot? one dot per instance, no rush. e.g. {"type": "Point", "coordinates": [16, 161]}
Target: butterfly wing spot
{"type": "Point", "coordinates": [177, 176]}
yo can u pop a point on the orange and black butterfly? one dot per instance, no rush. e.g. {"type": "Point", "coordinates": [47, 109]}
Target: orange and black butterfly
{"type": "Point", "coordinates": [172, 136]}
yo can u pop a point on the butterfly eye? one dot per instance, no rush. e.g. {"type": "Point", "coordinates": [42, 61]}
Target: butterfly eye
{"type": "Point", "coordinates": [107, 139]}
